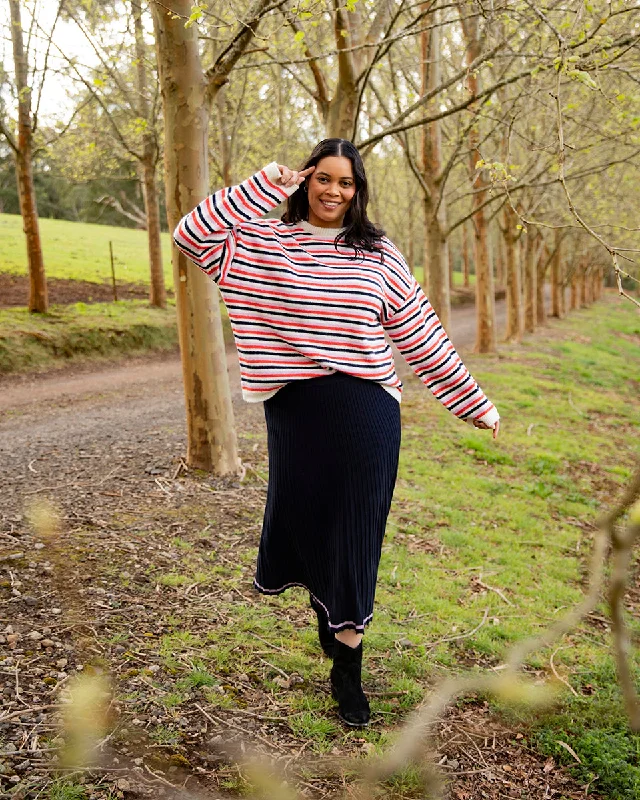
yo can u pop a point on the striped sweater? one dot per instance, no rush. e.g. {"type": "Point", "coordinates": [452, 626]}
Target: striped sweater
{"type": "Point", "coordinates": [302, 307]}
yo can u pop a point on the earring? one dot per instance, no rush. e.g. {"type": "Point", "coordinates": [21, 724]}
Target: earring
{"type": "Point", "coordinates": [305, 187]}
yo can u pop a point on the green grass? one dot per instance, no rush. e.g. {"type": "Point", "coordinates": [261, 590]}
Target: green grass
{"type": "Point", "coordinates": [81, 331]}
{"type": "Point", "coordinates": [469, 513]}
{"type": "Point", "coordinates": [65, 790]}
{"type": "Point", "coordinates": [80, 251]}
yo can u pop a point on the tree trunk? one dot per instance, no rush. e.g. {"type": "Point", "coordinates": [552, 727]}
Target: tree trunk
{"type": "Point", "coordinates": [588, 286]}
{"type": "Point", "coordinates": [436, 246]}
{"type": "Point", "coordinates": [512, 265]}
{"type": "Point", "coordinates": [541, 269]}
{"type": "Point", "coordinates": [224, 139]}
{"type": "Point", "coordinates": [157, 293]}
{"type": "Point", "coordinates": [582, 287]}
{"type": "Point", "coordinates": [530, 283]}
{"type": "Point", "coordinates": [411, 249]}
{"type": "Point", "coordinates": [557, 286]}
{"type": "Point", "coordinates": [38, 298]}
{"type": "Point", "coordinates": [210, 425]}
{"type": "Point", "coordinates": [498, 257]}
{"type": "Point", "coordinates": [595, 284]}
{"type": "Point", "coordinates": [485, 296]}
{"type": "Point", "coordinates": [341, 111]}
{"type": "Point", "coordinates": [573, 303]}
{"type": "Point", "coordinates": [465, 254]}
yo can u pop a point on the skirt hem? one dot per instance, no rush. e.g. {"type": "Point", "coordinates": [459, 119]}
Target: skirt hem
{"type": "Point", "coordinates": [339, 627]}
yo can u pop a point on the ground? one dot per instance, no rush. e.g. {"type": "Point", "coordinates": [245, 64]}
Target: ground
{"type": "Point", "coordinates": [14, 291]}
{"type": "Point", "coordinates": [109, 592]}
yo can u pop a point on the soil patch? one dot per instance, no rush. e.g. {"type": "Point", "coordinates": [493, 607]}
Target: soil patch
{"type": "Point", "coordinates": [14, 291]}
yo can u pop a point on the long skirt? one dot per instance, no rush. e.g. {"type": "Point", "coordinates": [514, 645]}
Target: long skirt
{"type": "Point", "coordinates": [333, 459]}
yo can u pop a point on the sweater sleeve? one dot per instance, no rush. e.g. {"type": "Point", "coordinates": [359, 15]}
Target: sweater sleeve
{"type": "Point", "coordinates": [418, 334]}
{"type": "Point", "coordinates": [208, 235]}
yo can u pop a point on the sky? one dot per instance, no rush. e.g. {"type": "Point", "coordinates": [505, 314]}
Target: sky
{"type": "Point", "coordinates": [56, 100]}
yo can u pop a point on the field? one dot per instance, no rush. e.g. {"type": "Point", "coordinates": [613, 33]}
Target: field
{"type": "Point", "coordinates": [80, 251]}
{"type": "Point", "coordinates": [487, 543]}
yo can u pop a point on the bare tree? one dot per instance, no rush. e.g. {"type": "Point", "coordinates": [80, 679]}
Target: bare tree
{"type": "Point", "coordinates": [23, 148]}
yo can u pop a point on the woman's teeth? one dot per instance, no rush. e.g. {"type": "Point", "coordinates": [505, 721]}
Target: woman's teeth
{"type": "Point", "coordinates": [330, 206]}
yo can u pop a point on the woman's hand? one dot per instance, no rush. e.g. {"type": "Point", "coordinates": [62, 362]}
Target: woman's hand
{"type": "Point", "coordinates": [483, 426]}
{"type": "Point", "coordinates": [289, 177]}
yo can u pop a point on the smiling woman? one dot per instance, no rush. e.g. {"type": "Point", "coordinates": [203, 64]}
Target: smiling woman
{"type": "Point", "coordinates": [310, 298]}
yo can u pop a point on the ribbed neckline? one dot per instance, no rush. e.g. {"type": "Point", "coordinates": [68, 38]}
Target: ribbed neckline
{"type": "Point", "coordinates": [315, 230]}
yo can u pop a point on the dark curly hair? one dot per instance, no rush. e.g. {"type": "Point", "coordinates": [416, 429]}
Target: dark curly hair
{"type": "Point", "coordinates": [359, 232]}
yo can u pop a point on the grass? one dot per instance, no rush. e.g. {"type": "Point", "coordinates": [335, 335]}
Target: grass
{"type": "Point", "coordinates": [478, 528]}
{"type": "Point", "coordinates": [80, 251]}
{"type": "Point", "coordinates": [81, 331]}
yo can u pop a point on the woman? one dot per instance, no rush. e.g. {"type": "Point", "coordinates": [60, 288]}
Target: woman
{"type": "Point", "coordinates": [310, 298]}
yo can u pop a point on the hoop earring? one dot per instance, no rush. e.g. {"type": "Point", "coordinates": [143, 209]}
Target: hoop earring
{"type": "Point", "coordinates": [305, 188]}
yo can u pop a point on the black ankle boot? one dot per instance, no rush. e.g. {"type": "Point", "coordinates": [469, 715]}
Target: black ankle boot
{"type": "Point", "coordinates": [325, 634]}
{"type": "Point", "coordinates": [346, 686]}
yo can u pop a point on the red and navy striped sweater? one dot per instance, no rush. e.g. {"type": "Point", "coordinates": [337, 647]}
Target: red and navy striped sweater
{"type": "Point", "coordinates": [302, 307]}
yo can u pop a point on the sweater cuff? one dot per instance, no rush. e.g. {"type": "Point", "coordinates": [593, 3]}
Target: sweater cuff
{"type": "Point", "coordinates": [489, 418]}
{"type": "Point", "coordinates": [273, 173]}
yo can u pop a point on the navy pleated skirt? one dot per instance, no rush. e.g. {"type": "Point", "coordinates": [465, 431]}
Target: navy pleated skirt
{"type": "Point", "coordinates": [333, 459]}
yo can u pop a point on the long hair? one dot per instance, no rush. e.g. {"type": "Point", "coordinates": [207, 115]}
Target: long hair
{"type": "Point", "coordinates": [359, 232]}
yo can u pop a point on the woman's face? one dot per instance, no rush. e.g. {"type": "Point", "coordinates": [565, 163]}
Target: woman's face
{"type": "Point", "coordinates": [330, 188]}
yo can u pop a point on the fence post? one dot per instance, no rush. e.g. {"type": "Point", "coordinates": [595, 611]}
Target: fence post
{"type": "Point", "coordinates": [113, 274]}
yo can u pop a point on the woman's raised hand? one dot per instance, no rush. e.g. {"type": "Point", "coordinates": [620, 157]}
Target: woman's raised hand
{"type": "Point", "coordinates": [289, 177]}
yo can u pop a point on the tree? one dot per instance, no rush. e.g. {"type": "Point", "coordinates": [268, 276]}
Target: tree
{"type": "Point", "coordinates": [485, 298]}
{"type": "Point", "coordinates": [188, 94]}
{"type": "Point", "coordinates": [148, 162]}
{"type": "Point", "coordinates": [23, 147]}
{"type": "Point", "coordinates": [119, 85]}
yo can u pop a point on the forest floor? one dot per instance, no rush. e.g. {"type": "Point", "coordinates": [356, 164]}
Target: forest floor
{"type": "Point", "coordinates": [147, 580]}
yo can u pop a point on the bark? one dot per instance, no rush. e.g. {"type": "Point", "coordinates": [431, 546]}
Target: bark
{"type": "Point", "coordinates": [588, 287]}
{"type": "Point", "coordinates": [512, 268]}
{"type": "Point", "coordinates": [596, 284]}
{"type": "Point", "coordinates": [436, 254]}
{"type": "Point", "coordinates": [582, 287]}
{"type": "Point", "coordinates": [341, 109]}
{"type": "Point", "coordinates": [224, 138]}
{"type": "Point", "coordinates": [485, 297]}
{"type": "Point", "coordinates": [557, 283]}
{"type": "Point", "coordinates": [465, 254]}
{"type": "Point", "coordinates": [23, 153]}
{"type": "Point", "coordinates": [573, 301]}
{"type": "Point", "coordinates": [541, 270]}
{"type": "Point", "coordinates": [157, 292]}
{"type": "Point", "coordinates": [186, 95]}
{"type": "Point", "coordinates": [498, 258]}
{"type": "Point", "coordinates": [530, 315]}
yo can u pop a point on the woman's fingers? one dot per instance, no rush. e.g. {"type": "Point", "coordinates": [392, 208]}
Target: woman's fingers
{"type": "Point", "coordinates": [290, 177]}
{"type": "Point", "coordinates": [483, 426]}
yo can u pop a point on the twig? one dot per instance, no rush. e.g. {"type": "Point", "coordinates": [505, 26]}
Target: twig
{"type": "Point", "coordinates": [558, 676]}
{"type": "Point", "coordinates": [462, 635]}
{"type": "Point", "coordinates": [493, 589]}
